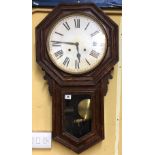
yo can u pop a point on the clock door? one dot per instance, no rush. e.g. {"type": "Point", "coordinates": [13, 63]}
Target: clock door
{"type": "Point", "coordinates": [77, 113]}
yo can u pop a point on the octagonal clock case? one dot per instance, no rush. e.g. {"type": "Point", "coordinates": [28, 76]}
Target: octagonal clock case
{"type": "Point", "coordinates": [77, 48]}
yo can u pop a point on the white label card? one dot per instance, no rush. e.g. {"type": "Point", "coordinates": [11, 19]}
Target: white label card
{"type": "Point", "coordinates": [68, 97]}
{"type": "Point", "coordinates": [41, 140]}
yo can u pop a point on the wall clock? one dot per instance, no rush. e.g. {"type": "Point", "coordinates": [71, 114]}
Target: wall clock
{"type": "Point", "coordinates": [77, 47]}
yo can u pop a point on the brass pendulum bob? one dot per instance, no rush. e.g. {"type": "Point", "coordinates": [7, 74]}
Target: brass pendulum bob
{"type": "Point", "coordinates": [84, 111]}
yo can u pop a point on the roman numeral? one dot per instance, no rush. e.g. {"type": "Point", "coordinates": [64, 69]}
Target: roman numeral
{"type": "Point", "coordinates": [55, 44]}
{"type": "Point", "coordinates": [77, 64]}
{"type": "Point", "coordinates": [93, 34]}
{"type": "Point", "coordinates": [58, 54]}
{"type": "Point", "coordinates": [66, 61]}
{"type": "Point", "coordinates": [77, 23]}
{"type": "Point", "coordinates": [66, 26]}
{"type": "Point", "coordinates": [94, 54]}
{"type": "Point", "coordinates": [94, 43]}
{"type": "Point", "coordinates": [59, 33]}
{"type": "Point", "coordinates": [87, 26]}
{"type": "Point", "coordinates": [87, 62]}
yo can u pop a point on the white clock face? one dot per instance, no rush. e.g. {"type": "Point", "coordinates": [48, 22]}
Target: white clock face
{"type": "Point", "coordinates": [77, 44]}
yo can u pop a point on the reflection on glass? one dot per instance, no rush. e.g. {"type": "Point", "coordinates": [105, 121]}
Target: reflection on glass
{"type": "Point", "coordinates": [77, 115]}
{"type": "Point", "coordinates": [84, 109]}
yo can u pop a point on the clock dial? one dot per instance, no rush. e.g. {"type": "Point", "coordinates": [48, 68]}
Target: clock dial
{"type": "Point", "coordinates": [77, 43]}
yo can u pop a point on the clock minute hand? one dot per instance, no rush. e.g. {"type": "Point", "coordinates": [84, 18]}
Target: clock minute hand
{"type": "Point", "coordinates": [70, 43]}
{"type": "Point", "coordinates": [78, 54]}
{"type": "Point", "coordinates": [61, 42]}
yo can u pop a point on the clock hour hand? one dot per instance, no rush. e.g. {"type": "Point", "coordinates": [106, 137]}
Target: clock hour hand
{"type": "Point", "coordinates": [61, 42]}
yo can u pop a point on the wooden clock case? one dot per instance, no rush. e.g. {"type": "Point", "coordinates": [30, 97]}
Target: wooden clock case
{"type": "Point", "coordinates": [94, 83]}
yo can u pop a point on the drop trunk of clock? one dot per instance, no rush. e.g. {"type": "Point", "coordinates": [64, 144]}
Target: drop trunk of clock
{"type": "Point", "coordinates": [77, 114]}
{"type": "Point", "coordinates": [77, 95]}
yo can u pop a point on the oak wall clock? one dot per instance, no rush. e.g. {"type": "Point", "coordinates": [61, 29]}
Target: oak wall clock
{"type": "Point", "coordinates": [77, 47]}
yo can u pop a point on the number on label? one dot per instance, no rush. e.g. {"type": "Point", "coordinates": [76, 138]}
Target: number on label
{"type": "Point", "coordinates": [58, 54]}
{"type": "Point", "coordinates": [66, 61]}
{"type": "Point", "coordinates": [94, 54]}
{"type": "Point", "coordinates": [66, 26]}
{"type": "Point", "coordinates": [77, 23]}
